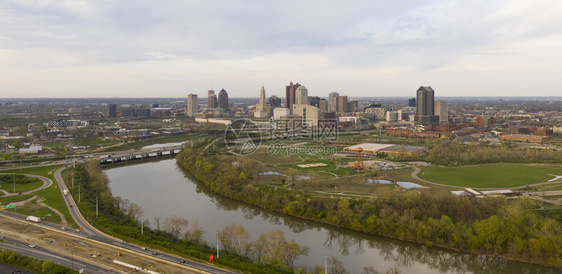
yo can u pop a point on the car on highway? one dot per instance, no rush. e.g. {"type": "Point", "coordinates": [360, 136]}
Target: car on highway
{"type": "Point", "coordinates": [154, 253]}
{"type": "Point", "coordinates": [63, 228]}
{"type": "Point", "coordinates": [32, 245]}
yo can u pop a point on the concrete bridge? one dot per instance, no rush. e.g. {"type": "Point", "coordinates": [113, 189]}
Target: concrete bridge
{"type": "Point", "coordinates": [139, 155]}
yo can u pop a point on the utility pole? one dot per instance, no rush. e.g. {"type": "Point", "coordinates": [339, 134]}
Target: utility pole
{"type": "Point", "coordinates": [96, 206]}
{"type": "Point", "coordinates": [217, 244]}
{"type": "Point", "coordinates": [142, 227]}
{"type": "Point", "coordinates": [73, 181]}
{"type": "Point", "coordinates": [14, 179]}
{"type": "Point", "coordinates": [79, 188]}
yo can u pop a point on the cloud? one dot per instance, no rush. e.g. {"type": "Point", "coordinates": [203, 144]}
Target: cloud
{"type": "Point", "coordinates": [235, 41]}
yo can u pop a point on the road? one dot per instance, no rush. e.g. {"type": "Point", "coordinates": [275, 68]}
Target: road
{"type": "Point", "coordinates": [46, 183]}
{"type": "Point", "coordinates": [44, 254]}
{"type": "Point", "coordinates": [94, 234]}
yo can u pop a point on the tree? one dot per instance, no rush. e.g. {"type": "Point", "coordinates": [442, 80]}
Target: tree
{"type": "Point", "coordinates": [292, 175]}
{"type": "Point", "coordinates": [174, 225]}
{"type": "Point", "coordinates": [235, 237]}
{"type": "Point", "coordinates": [135, 211]}
{"type": "Point", "coordinates": [194, 233]}
{"type": "Point", "coordinates": [157, 221]}
{"type": "Point", "coordinates": [336, 266]}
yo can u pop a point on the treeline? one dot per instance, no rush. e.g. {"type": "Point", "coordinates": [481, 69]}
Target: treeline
{"type": "Point", "coordinates": [493, 226]}
{"type": "Point", "coordinates": [456, 153]}
{"type": "Point", "coordinates": [117, 218]}
{"type": "Point", "coordinates": [13, 258]}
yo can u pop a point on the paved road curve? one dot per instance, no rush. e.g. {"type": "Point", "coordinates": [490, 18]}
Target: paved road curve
{"type": "Point", "coordinates": [94, 234]}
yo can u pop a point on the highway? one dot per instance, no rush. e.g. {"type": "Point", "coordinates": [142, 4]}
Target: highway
{"type": "Point", "coordinates": [94, 234]}
{"type": "Point", "coordinates": [45, 254]}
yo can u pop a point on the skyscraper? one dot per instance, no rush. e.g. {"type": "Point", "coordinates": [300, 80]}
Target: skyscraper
{"type": "Point", "coordinates": [442, 110]}
{"type": "Point", "coordinates": [261, 107]}
{"type": "Point", "coordinates": [275, 101]}
{"type": "Point", "coordinates": [211, 99]}
{"type": "Point", "coordinates": [191, 104]}
{"type": "Point", "coordinates": [425, 105]}
{"type": "Point", "coordinates": [412, 102]}
{"type": "Point", "coordinates": [223, 99]}
{"type": "Point", "coordinates": [290, 94]}
{"type": "Point", "coordinates": [332, 101]}
{"type": "Point", "coordinates": [341, 104]}
{"type": "Point", "coordinates": [112, 110]}
{"type": "Point", "coordinates": [323, 105]}
{"type": "Point", "coordinates": [301, 96]}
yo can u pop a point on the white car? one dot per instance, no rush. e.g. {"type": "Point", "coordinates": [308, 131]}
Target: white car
{"type": "Point", "coordinates": [32, 245]}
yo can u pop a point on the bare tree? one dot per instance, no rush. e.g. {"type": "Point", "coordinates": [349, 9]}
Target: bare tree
{"type": "Point", "coordinates": [235, 237]}
{"type": "Point", "coordinates": [135, 211]}
{"type": "Point", "coordinates": [157, 221]}
{"type": "Point", "coordinates": [195, 232]}
{"type": "Point", "coordinates": [336, 266]}
{"type": "Point", "coordinates": [174, 225]}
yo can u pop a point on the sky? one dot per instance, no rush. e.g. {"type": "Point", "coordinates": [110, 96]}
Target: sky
{"type": "Point", "coordinates": [384, 48]}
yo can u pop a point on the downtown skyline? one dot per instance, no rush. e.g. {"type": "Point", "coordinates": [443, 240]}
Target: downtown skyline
{"type": "Point", "coordinates": [88, 49]}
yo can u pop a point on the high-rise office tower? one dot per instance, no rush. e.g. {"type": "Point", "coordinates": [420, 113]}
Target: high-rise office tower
{"type": "Point", "coordinates": [412, 102]}
{"type": "Point", "coordinates": [191, 104]}
{"type": "Point", "coordinates": [275, 101]}
{"type": "Point", "coordinates": [212, 99]}
{"type": "Point", "coordinates": [332, 101]}
{"type": "Point", "coordinates": [425, 105]}
{"type": "Point", "coordinates": [290, 94]}
{"type": "Point", "coordinates": [112, 110]}
{"type": "Point", "coordinates": [301, 96]}
{"type": "Point", "coordinates": [323, 105]}
{"type": "Point", "coordinates": [341, 104]}
{"type": "Point", "coordinates": [213, 102]}
{"type": "Point", "coordinates": [314, 101]}
{"type": "Point", "coordinates": [261, 107]}
{"type": "Point", "coordinates": [442, 110]}
{"type": "Point", "coordinates": [223, 99]}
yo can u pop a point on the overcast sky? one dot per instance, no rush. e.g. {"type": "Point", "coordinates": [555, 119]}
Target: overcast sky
{"type": "Point", "coordinates": [147, 48]}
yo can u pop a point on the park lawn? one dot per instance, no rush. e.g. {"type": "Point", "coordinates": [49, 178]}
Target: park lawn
{"type": "Point", "coordinates": [17, 198]}
{"type": "Point", "coordinates": [53, 196]}
{"type": "Point", "coordinates": [7, 186]}
{"type": "Point", "coordinates": [36, 170]}
{"type": "Point", "coordinates": [490, 175]}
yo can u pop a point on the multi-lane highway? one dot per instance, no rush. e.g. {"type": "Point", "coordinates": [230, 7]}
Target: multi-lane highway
{"type": "Point", "coordinates": [94, 234]}
{"type": "Point", "coordinates": [86, 230]}
{"type": "Point", "coordinates": [39, 252]}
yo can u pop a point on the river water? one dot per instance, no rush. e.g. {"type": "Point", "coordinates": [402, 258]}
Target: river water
{"type": "Point", "coordinates": [162, 189]}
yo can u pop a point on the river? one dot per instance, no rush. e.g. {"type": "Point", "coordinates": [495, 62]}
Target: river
{"type": "Point", "coordinates": [162, 189]}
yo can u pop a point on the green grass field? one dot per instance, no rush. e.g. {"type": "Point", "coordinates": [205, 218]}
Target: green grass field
{"type": "Point", "coordinates": [8, 186]}
{"type": "Point", "coordinates": [53, 196]}
{"type": "Point", "coordinates": [490, 175]}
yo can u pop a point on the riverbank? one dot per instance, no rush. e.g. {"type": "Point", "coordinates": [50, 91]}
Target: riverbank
{"type": "Point", "coordinates": [494, 227]}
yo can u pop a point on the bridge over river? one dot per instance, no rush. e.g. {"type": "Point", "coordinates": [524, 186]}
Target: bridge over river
{"type": "Point", "coordinates": [139, 155]}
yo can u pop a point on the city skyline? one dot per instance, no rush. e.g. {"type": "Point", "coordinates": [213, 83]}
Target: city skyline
{"type": "Point", "coordinates": [143, 49]}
